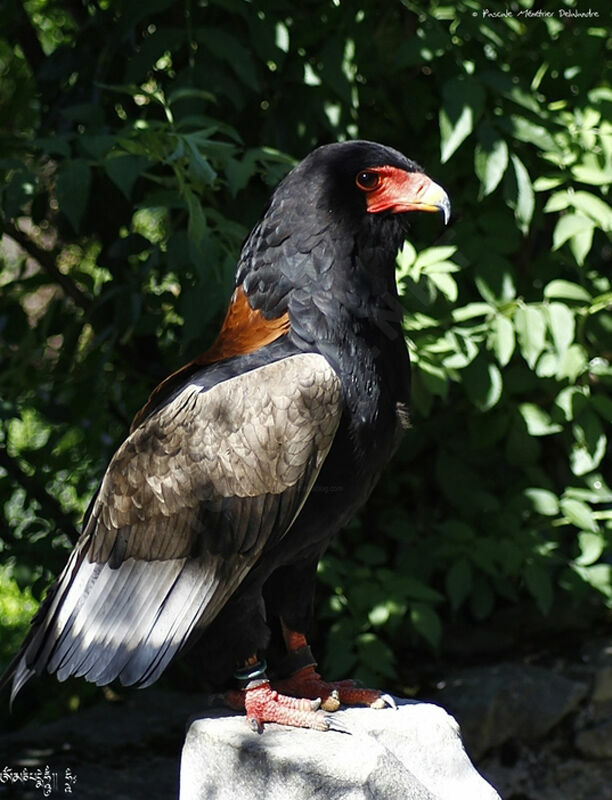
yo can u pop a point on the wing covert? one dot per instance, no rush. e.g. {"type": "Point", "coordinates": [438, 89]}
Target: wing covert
{"type": "Point", "coordinates": [185, 508]}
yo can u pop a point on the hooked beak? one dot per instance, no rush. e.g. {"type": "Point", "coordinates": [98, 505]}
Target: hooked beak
{"type": "Point", "coordinates": [432, 198]}
{"type": "Point", "coordinates": [402, 191]}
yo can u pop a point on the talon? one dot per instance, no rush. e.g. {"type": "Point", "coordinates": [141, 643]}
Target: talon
{"type": "Point", "coordinates": [315, 705]}
{"type": "Point", "coordinates": [386, 698]}
{"type": "Point", "coordinates": [335, 694]}
{"type": "Point", "coordinates": [255, 725]}
{"type": "Point", "coordinates": [337, 726]}
{"type": "Point", "coordinates": [331, 703]}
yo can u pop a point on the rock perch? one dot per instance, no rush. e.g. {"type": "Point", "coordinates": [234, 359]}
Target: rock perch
{"type": "Point", "coordinates": [414, 753]}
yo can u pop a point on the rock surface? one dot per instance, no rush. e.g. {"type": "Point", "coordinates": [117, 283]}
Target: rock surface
{"type": "Point", "coordinates": [414, 753]}
{"type": "Point", "coordinates": [574, 759]}
{"type": "Point", "coordinates": [126, 750]}
{"type": "Point", "coordinates": [505, 702]}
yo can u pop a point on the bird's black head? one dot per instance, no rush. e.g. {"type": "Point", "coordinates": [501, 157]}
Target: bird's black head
{"type": "Point", "coordinates": [335, 219]}
{"type": "Point", "coordinates": [359, 177]}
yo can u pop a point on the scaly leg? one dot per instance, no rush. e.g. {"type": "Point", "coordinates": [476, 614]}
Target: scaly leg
{"type": "Point", "coordinates": [305, 681]}
{"type": "Point", "coordinates": [264, 704]}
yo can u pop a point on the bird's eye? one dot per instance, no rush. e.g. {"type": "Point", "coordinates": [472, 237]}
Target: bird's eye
{"type": "Point", "coordinates": [368, 181]}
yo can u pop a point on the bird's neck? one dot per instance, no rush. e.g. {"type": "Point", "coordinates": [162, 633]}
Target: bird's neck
{"type": "Point", "coordinates": [336, 283]}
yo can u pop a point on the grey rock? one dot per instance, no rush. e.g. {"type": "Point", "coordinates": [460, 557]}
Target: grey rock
{"type": "Point", "coordinates": [598, 655]}
{"type": "Point", "coordinates": [602, 689]}
{"type": "Point", "coordinates": [548, 771]}
{"type": "Point", "coordinates": [596, 742]}
{"type": "Point", "coordinates": [508, 701]}
{"type": "Point", "coordinates": [127, 750]}
{"type": "Point", "coordinates": [414, 753]}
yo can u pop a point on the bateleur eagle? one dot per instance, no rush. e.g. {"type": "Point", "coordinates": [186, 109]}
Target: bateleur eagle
{"type": "Point", "coordinates": [213, 514]}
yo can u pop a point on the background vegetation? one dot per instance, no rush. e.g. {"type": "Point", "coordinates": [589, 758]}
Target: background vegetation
{"type": "Point", "coordinates": [138, 144]}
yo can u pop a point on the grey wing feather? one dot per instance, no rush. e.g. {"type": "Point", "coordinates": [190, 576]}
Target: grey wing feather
{"type": "Point", "coordinates": [185, 508]}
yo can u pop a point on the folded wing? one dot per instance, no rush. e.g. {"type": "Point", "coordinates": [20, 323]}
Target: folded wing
{"type": "Point", "coordinates": [186, 506]}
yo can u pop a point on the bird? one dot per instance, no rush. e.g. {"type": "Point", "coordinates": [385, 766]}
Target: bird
{"type": "Point", "coordinates": [212, 515]}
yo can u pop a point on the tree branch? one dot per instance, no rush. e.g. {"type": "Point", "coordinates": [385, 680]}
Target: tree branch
{"type": "Point", "coordinates": [28, 40]}
{"type": "Point", "coordinates": [49, 505]}
{"type": "Point", "coordinates": [47, 261]}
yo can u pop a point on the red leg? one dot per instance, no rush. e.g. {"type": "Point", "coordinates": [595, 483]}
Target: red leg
{"type": "Point", "coordinates": [306, 681]}
{"type": "Point", "coordinates": [264, 704]}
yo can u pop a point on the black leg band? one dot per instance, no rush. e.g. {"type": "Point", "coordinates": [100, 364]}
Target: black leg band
{"type": "Point", "coordinates": [252, 675]}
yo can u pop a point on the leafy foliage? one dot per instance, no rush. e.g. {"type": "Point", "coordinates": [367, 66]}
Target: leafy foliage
{"type": "Point", "coordinates": [139, 144]}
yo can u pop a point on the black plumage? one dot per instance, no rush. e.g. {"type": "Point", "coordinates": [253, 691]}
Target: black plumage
{"type": "Point", "coordinates": [244, 464]}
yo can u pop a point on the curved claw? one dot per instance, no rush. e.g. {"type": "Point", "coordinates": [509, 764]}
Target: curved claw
{"type": "Point", "coordinates": [384, 700]}
{"type": "Point", "coordinates": [337, 726]}
{"type": "Point", "coordinates": [255, 725]}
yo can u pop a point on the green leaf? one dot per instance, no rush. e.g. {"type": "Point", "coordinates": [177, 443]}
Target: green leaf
{"type": "Point", "coordinates": [379, 614]}
{"type": "Point", "coordinates": [54, 145]}
{"type": "Point", "coordinates": [405, 259]}
{"type": "Point", "coordinates": [591, 443]}
{"type": "Point", "coordinates": [561, 323]}
{"type": "Point", "coordinates": [199, 166]}
{"type": "Point", "coordinates": [501, 339]}
{"type": "Point", "coordinates": [537, 420]}
{"type": "Point", "coordinates": [558, 201]}
{"type": "Point", "coordinates": [591, 547]}
{"type": "Point", "coordinates": [566, 290]}
{"type": "Point", "coordinates": [548, 365]}
{"type": "Point", "coordinates": [72, 188]}
{"type": "Point", "coordinates": [462, 102]}
{"type": "Point", "coordinates": [434, 255]}
{"type": "Point", "coordinates": [470, 311]}
{"type": "Point", "coordinates": [190, 93]}
{"type": "Point", "coordinates": [495, 279]}
{"type": "Point", "coordinates": [464, 350]}
{"type": "Point", "coordinates": [434, 378]}
{"type": "Point", "coordinates": [593, 175]}
{"type": "Point", "coordinates": [490, 159]}
{"type": "Point", "coordinates": [599, 576]}
{"type": "Point", "coordinates": [603, 406]}
{"type": "Point", "coordinates": [539, 584]}
{"type": "Point", "coordinates": [580, 245]}
{"type": "Point", "coordinates": [96, 146]}
{"type": "Point", "coordinates": [459, 582]}
{"type": "Point", "coordinates": [570, 401]}
{"type": "Point", "coordinates": [196, 226]}
{"type": "Point", "coordinates": [446, 284]}
{"type": "Point", "coordinates": [426, 622]}
{"type": "Point", "coordinates": [483, 383]}
{"type": "Point", "coordinates": [415, 589]}
{"type": "Point", "coordinates": [523, 199]}
{"type": "Point", "coordinates": [530, 132]}
{"type": "Point", "coordinates": [124, 170]}
{"type": "Point", "coordinates": [568, 226]}
{"type": "Point", "coordinates": [530, 326]}
{"type": "Point", "coordinates": [547, 182]}
{"type": "Point", "coordinates": [543, 501]}
{"type": "Point", "coordinates": [575, 362]}
{"type": "Point", "coordinates": [579, 514]}
{"type": "Point", "coordinates": [227, 47]}
{"type": "Point", "coordinates": [593, 207]}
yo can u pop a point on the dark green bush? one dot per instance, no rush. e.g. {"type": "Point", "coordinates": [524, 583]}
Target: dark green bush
{"type": "Point", "coordinates": [139, 142]}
